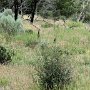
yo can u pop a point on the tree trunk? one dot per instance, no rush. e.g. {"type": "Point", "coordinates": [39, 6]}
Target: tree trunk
{"type": "Point", "coordinates": [16, 9]}
{"type": "Point", "coordinates": [21, 7]}
{"type": "Point", "coordinates": [34, 3]}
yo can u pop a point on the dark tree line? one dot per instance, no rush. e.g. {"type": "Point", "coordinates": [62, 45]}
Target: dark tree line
{"type": "Point", "coordinates": [49, 8]}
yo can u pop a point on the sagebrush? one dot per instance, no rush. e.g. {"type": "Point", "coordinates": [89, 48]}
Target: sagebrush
{"type": "Point", "coordinates": [55, 71]}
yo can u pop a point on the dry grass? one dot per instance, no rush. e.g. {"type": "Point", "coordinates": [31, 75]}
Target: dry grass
{"type": "Point", "coordinates": [19, 77]}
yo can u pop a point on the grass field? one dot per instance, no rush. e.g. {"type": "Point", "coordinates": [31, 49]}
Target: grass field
{"type": "Point", "coordinates": [20, 74]}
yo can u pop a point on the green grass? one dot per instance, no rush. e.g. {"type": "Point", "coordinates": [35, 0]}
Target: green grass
{"type": "Point", "coordinates": [47, 25]}
{"type": "Point", "coordinates": [25, 36]}
{"type": "Point", "coordinates": [75, 40]}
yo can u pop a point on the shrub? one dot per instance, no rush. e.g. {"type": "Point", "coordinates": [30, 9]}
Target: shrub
{"type": "Point", "coordinates": [5, 57]}
{"type": "Point", "coordinates": [8, 12]}
{"type": "Point", "coordinates": [18, 25]}
{"type": "Point", "coordinates": [55, 71]}
{"type": "Point", "coordinates": [8, 24]}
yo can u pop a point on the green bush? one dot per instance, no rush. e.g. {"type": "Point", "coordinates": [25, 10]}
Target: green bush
{"type": "Point", "coordinates": [18, 26]}
{"type": "Point", "coordinates": [8, 12]}
{"type": "Point", "coordinates": [55, 70]}
{"type": "Point", "coordinates": [8, 24]}
{"type": "Point", "coordinates": [5, 56]}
